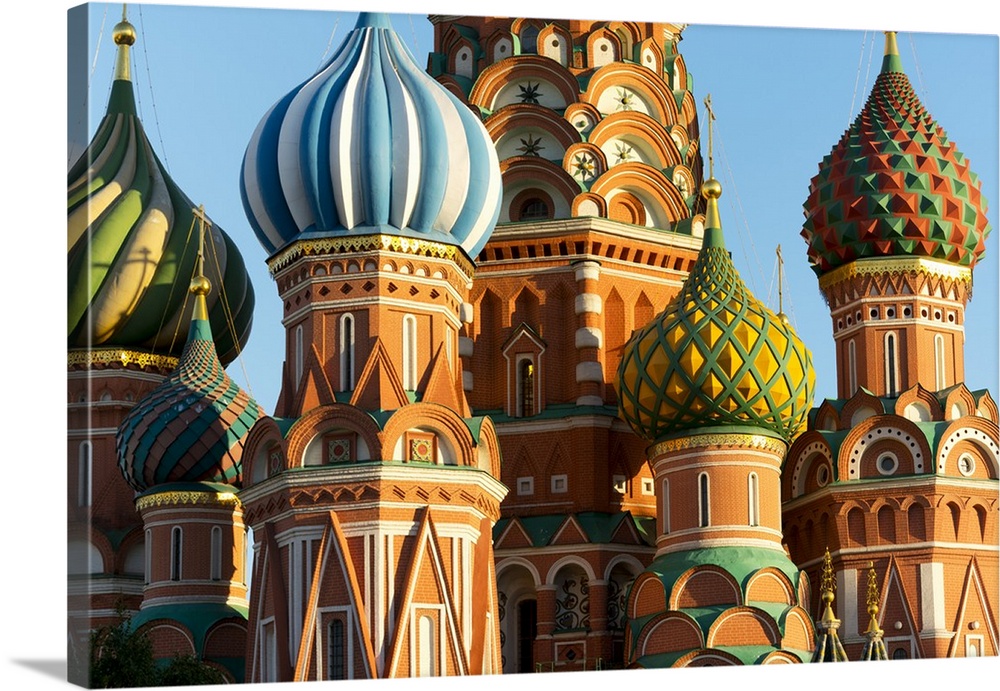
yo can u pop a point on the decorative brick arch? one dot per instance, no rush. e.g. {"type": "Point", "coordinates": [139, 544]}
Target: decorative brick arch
{"type": "Point", "coordinates": [770, 585]}
{"type": "Point", "coordinates": [569, 560]}
{"type": "Point", "coordinates": [669, 632]}
{"type": "Point", "coordinates": [494, 78]}
{"type": "Point", "coordinates": [633, 565]}
{"type": "Point", "coordinates": [654, 92]}
{"type": "Point", "coordinates": [919, 395]}
{"type": "Point", "coordinates": [808, 449]}
{"type": "Point", "coordinates": [585, 151]}
{"type": "Point", "coordinates": [643, 127]}
{"type": "Point", "coordinates": [699, 582]}
{"type": "Point", "coordinates": [976, 430]}
{"type": "Point", "coordinates": [532, 172]}
{"type": "Point", "coordinates": [226, 639]}
{"type": "Point", "coordinates": [780, 657]}
{"type": "Point", "coordinates": [530, 115]}
{"type": "Point", "coordinates": [134, 538]}
{"type": "Point", "coordinates": [441, 420]}
{"type": "Point", "coordinates": [743, 626]}
{"type": "Point", "coordinates": [263, 437]}
{"type": "Point", "coordinates": [489, 448]}
{"type": "Point", "coordinates": [169, 638]}
{"type": "Point", "coordinates": [647, 596]}
{"type": "Point", "coordinates": [708, 658]}
{"type": "Point", "coordinates": [986, 407]}
{"type": "Point", "coordinates": [959, 396]}
{"type": "Point", "coordinates": [649, 184]}
{"type": "Point", "coordinates": [307, 427]}
{"type": "Point", "coordinates": [875, 429]}
{"type": "Point", "coordinates": [510, 562]}
{"type": "Point", "coordinates": [860, 399]}
{"type": "Point", "coordinates": [798, 627]}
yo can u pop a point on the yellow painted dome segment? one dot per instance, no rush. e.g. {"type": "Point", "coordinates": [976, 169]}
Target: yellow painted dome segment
{"type": "Point", "coordinates": [715, 356]}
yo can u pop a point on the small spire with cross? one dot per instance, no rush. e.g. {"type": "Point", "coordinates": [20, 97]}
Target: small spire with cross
{"type": "Point", "coordinates": [200, 285]}
{"type": "Point", "coordinates": [711, 119]}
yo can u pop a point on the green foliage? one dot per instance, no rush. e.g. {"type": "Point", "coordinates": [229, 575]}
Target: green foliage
{"type": "Point", "coordinates": [121, 657]}
{"type": "Point", "coordinates": [188, 670]}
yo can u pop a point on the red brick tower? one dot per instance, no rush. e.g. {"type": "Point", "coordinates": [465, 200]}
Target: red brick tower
{"type": "Point", "coordinates": [131, 256]}
{"type": "Point", "coordinates": [373, 491]}
{"type": "Point", "coordinates": [181, 449]}
{"type": "Point", "coordinates": [902, 469]}
{"type": "Point", "coordinates": [718, 384]}
{"type": "Point", "coordinates": [595, 127]}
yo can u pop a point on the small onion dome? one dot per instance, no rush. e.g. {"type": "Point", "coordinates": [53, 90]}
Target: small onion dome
{"type": "Point", "coordinates": [131, 245]}
{"type": "Point", "coordinates": [894, 185]}
{"type": "Point", "coordinates": [715, 356]}
{"type": "Point", "coordinates": [371, 144]}
{"type": "Point", "coordinates": [192, 427]}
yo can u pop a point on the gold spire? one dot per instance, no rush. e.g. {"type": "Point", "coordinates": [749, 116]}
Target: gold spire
{"type": "Point", "coordinates": [826, 588]}
{"type": "Point", "coordinates": [124, 36]}
{"type": "Point", "coordinates": [872, 601]}
{"type": "Point", "coordinates": [200, 285]}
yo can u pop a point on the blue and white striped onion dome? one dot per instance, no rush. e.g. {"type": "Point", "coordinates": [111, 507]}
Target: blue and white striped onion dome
{"type": "Point", "coordinates": [371, 144]}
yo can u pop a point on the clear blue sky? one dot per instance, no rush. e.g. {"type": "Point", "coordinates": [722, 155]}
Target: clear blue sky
{"type": "Point", "coordinates": [205, 77]}
{"type": "Point", "coordinates": [782, 97]}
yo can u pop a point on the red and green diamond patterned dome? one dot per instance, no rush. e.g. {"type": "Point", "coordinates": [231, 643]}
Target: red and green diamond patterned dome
{"type": "Point", "coordinates": [715, 356]}
{"type": "Point", "coordinates": [894, 185]}
{"type": "Point", "coordinates": [192, 427]}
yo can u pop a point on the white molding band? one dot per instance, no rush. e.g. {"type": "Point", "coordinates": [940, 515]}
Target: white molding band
{"type": "Point", "coordinates": [587, 270]}
{"type": "Point", "coordinates": [589, 371]}
{"type": "Point", "coordinates": [589, 337]}
{"type": "Point", "coordinates": [589, 303]}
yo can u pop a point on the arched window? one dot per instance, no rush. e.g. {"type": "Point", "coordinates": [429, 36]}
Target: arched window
{"type": "Point", "coordinates": [426, 651]}
{"type": "Point", "coordinates": [298, 355]}
{"type": "Point", "coordinates": [525, 387]}
{"type": "Point", "coordinates": [753, 499]}
{"type": "Point", "coordinates": [336, 649]}
{"type": "Point", "coordinates": [533, 209]}
{"type": "Point", "coordinates": [703, 508]}
{"type": "Point", "coordinates": [86, 473]}
{"type": "Point", "coordinates": [176, 540]}
{"type": "Point", "coordinates": [347, 352]}
{"type": "Point", "coordinates": [529, 39]}
{"type": "Point", "coordinates": [852, 368]}
{"type": "Point", "coordinates": [216, 553]}
{"type": "Point", "coordinates": [891, 365]}
{"type": "Point", "coordinates": [666, 506]}
{"type": "Point", "coordinates": [410, 352]}
{"type": "Point", "coordinates": [940, 379]}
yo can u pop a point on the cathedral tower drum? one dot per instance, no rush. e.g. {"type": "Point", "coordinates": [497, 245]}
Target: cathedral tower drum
{"type": "Point", "coordinates": [373, 491]}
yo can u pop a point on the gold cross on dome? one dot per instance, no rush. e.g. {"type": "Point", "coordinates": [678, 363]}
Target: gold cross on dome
{"type": "Point", "coordinates": [711, 118]}
{"type": "Point", "coordinates": [203, 223]}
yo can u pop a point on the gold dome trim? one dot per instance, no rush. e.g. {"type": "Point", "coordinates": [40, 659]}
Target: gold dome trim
{"type": "Point", "coordinates": [895, 265]}
{"type": "Point", "coordinates": [89, 358]}
{"type": "Point", "coordinates": [182, 498]}
{"type": "Point", "coordinates": [698, 441]}
{"type": "Point", "coordinates": [368, 243]}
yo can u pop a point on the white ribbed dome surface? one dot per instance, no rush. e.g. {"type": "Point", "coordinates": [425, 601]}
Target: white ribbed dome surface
{"type": "Point", "coordinates": [371, 144]}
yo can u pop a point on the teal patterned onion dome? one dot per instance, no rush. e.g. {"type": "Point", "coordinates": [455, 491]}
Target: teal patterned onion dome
{"type": "Point", "coordinates": [371, 144]}
{"type": "Point", "coordinates": [894, 185]}
{"type": "Point", "coordinates": [715, 355]}
{"type": "Point", "coordinates": [192, 427]}
{"type": "Point", "coordinates": [132, 247]}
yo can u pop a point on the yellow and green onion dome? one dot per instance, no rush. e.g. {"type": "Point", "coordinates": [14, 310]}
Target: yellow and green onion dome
{"type": "Point", "coordinates": [715, 356]}
{"type": "Point", "coordinates": [133, 242]}
{"type": "Point", "coordinates": [193, 425]}
{"type": "Point", "coordinates": [894, 185]}
{"type": "Point", "coordinates": [371, 144]}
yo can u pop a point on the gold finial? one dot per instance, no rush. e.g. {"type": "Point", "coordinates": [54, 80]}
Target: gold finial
{"type": "Point", "coordinates": [124, 36]}
{"type": "Point", "coordinates": [826, 587]}
{"type": "Point", "coordinates": [872, 600]}
{"type": "Point", "coordinates": [200, 285]}
{"type": "Point", "coordinates": [890, 43]}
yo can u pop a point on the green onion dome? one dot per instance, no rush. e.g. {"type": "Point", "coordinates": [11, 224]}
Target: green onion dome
{"type": "Point", "coordinates": [715, 355]}
{"type": "Point", "coordinates": [894, 185]}
{"type": "Point", "coordinates": [132, 242]}
{"type": "Point", "coordinates": [192, 427]}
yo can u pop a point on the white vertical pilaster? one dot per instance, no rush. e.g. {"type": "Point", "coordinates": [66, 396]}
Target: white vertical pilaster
{"type": "Point", "coordinates": [846, 602]}
{"type": "Point", "coordinates": [932, 596]}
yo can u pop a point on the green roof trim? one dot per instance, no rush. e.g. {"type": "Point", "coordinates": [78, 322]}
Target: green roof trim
{"type": "Point", "coordinates": [197, 617]}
